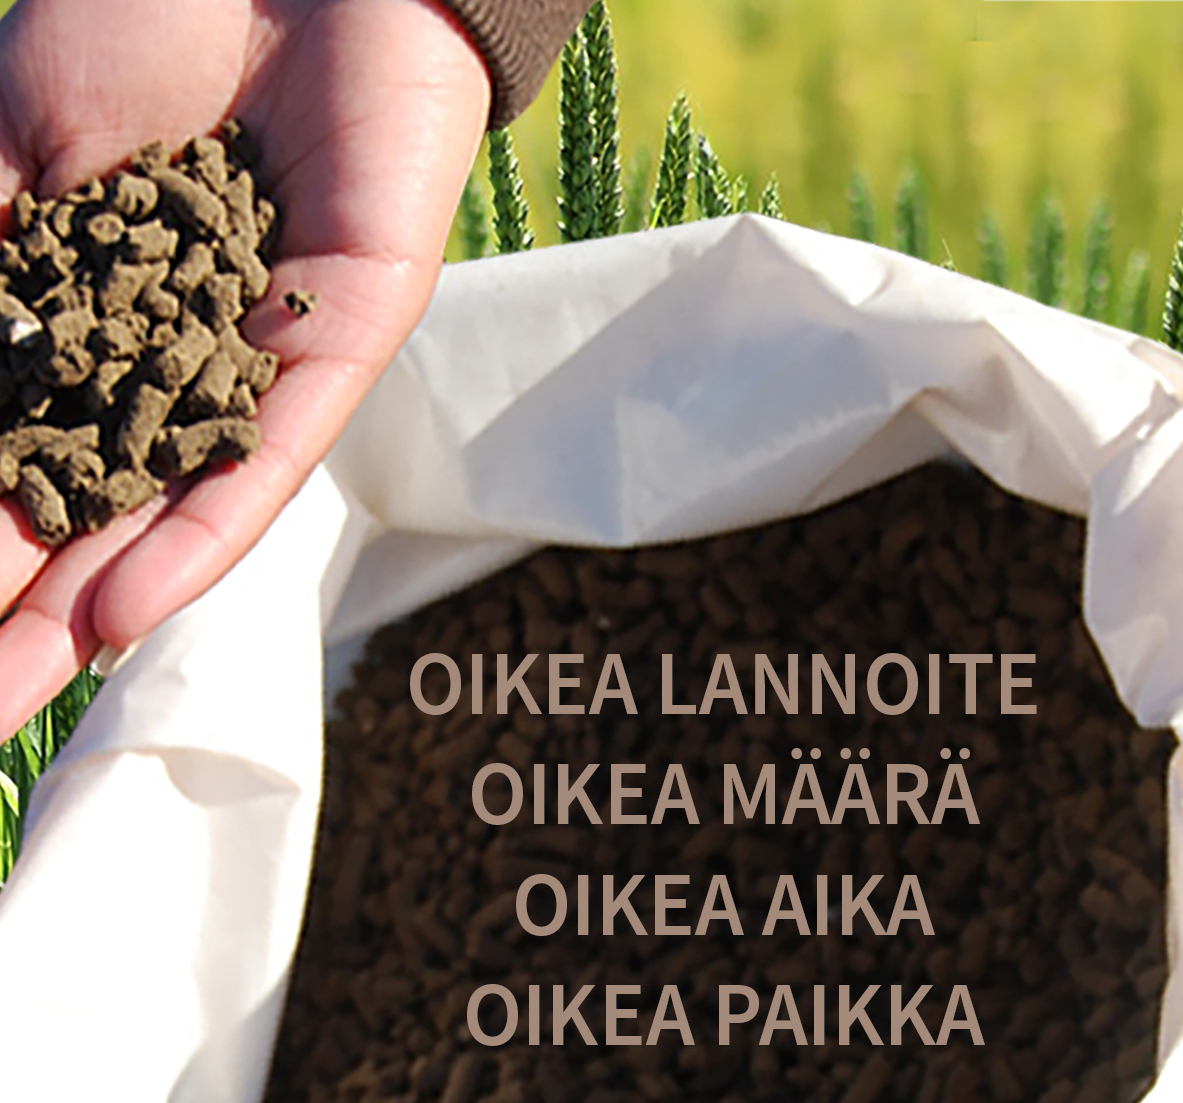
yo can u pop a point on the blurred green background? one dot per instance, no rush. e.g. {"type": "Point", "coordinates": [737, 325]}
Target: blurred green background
{"type": "Point", "coordinates": [994, 100]}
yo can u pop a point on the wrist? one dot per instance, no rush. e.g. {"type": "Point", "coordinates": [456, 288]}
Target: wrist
{"type": "Point", "coordinates": [518, 41]}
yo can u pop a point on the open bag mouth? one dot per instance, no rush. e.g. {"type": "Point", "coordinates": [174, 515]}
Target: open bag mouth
{"type": "Point", "coordinates": [694, 381]}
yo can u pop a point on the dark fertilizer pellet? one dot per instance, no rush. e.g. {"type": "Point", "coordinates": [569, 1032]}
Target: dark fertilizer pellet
{"type": "Point", "coordinates": [301, 303]}
{"type": "Point", "coordinates": [1050, 910]}
{"type": "Point", "coordinates": [119, 311]}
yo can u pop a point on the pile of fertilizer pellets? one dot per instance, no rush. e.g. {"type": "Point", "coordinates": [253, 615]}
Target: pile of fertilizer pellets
{"type": "Point", "coordinates": [1050, 910]}
{"type": "Point", "coordinates": [122, 365]}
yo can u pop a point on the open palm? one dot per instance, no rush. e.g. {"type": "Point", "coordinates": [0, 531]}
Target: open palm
{"type": "Point", "coordinates": [369, 113]}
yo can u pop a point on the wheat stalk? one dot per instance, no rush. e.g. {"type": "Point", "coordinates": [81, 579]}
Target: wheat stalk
{"type": "Point", "coordinates": [911, 216]}
{"type": "Point", "coordinates": [510, 211]}
{"type": "Point", "coordinates": [741, 199]}
{"type": "Point", "coordinates": [770, 205]}
{"type": "Point", "coordinates": [673, 173]}
{"type": "Point", "coordinates": [712, 188]}
{"type": "Point", "coordinates": [605, 96]}
{"type": "Point", "coordinates": [1172, 312]}
{"type": "Point", "coordinates": [993, 251]}
{"type": "Point", "coordinates": [1045, 253]}
{"type": "Point", "coordinates": [473, 222]}
{"type": "Point", "coordinates": [578, 204]}
{"type": "Point", "coordinates": [1095, 300]}
{"type": "Point", "coordinates": [862, 208]}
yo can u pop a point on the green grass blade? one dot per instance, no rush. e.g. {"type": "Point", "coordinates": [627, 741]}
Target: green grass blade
{"type": "Point", "coordinates": [22, 756]}
{"type": "Point", "coordinates": [673, 173]}
{"type": "Point", "coordinates": [1045, 253]}
{"type": "Point", "coordinates": [10, 819]}
{"type": "Point", "coordinates": [71, 703]}
{"type": "Point", "coordinates": [47, 745]}
{"type": "Point", "coordinates": [9, 840]}
{"type": "Point", "coordinates": [1133, 302]}
{"type": "Point", "coordinates": [9, 794]}
{"type": "Point", "coordinates": [1095, 300]}
{"type": "Point", "coordinates": [21, 763]}
{"type": "Point", "coordinates": [605, 94]}
{"type": "Point", "coordinates": [911, 215]}
{"type": "Point", "coordinates": [993, 251]}
{"type": "Point", "coordinates": [862, 208]}
{"type": "Point", "coordinates": [32, 747]}
{"type": "Point", "coordinates": [510, 211]}
{"type": "Point", "coordinates": [473, 222]}
{"type": "Point", "coordinates": [578, 210]}
{"type": "Point", "coordinates": [770, 204]}
{"type": "Point", "coordinates": [27, 755]}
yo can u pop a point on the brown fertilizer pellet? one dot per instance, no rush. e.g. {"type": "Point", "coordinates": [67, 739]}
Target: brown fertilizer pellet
{"type": "Point", "coordinates": [119, 308]}
{"type": "Point", "coordinates": [1049, 910]}
{"type": "Point", "coordinates": [301, 303]}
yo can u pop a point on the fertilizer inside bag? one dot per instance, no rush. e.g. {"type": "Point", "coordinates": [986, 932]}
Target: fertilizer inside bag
{"type": "Point", "coordinates": [1048, 910]}
{"type": "Point", "coordinates": [640, 390]}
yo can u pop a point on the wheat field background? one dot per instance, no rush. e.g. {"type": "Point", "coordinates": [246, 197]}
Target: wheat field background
{"type": "Point", "coordinates": [994, 101]}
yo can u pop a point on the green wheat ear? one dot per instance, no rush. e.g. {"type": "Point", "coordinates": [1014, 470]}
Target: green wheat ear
{"type": "Point", "coordinates": [770, 204]}
{"type": "Point", "coordinates": [1045, 253]}
{"type": "Point", "coordinates": [1172, 312]}
{"type": "Point", "coordinates": [1133, 301]}
{"type": "Point", "coordinates": [510, 211]}
{"type": "Point", "coordinates": [713, 189]}
{"type": "Point", "coordinates": [605, 94]}
{"type": "Point", "coordinates": [1095, 302]}
{"type": "Point", "coordinates": [993, 251]}
{"type": "Point", "coordinates": [862, 208]}
{"type": "Point", "coordinates": [578, 213]}
{"type": "Point", "coordinates": [673, 173]}
{"type": "Point", "coordinates": [635, 190]}
{"type": "Point", "coordinates": [473, 222]}
{"type": "Point", "coordinates": [911, 215]}
{"type": "Point", "coordinates": [741, 199]}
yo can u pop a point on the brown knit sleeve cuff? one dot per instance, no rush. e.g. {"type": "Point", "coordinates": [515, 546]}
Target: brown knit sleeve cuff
{"type": "Point", "coordinates": [519, 40]}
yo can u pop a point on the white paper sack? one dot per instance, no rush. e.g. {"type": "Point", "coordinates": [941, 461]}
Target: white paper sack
{"type": "Point", "coordinates": [646, 388]}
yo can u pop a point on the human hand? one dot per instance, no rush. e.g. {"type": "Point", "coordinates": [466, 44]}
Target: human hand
{"type": "Point", "coordinates": [369, 113]}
